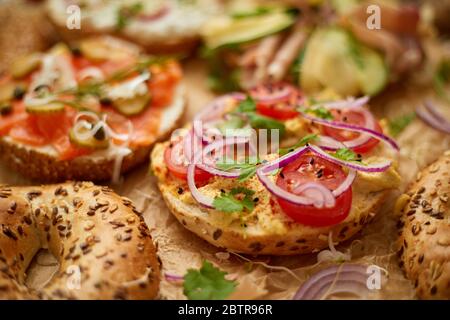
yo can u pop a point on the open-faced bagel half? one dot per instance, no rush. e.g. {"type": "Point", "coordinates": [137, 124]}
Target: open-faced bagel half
{"type": "Point", "coordinates": [269, 231]}
{"type": "Point", "coordinates": [99, 118]}
{"type": "Point", "coordinates": [425, 231]}
{"type": "Point", "coordinates": [160, 26]}
{"type": "Point", "coordinates": [93, 233]}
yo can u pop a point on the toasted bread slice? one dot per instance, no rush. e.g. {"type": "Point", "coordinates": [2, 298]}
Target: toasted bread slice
{"type": "Point", "coordinates": [41, 163]}
{"type": "Point", "coordinates": [269, 230]}
{"type": "Point", "coordinates": [173, 28]}
{"type": "Point", "coordinates": [425, 232]}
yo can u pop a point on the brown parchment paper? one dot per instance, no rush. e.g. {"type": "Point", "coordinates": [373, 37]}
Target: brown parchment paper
{"type": "Point", "coordinates": [270, 277]}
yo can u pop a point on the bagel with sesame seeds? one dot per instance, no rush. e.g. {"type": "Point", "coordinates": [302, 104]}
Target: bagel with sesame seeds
{"type": "Point", "coordinates": [425, 232]}
{"type": "Point", "coordinates": [102, 244]}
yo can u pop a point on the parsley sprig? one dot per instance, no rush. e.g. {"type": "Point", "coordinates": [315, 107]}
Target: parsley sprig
{"type": "Point", "coordinates": [207, 283]}
{"type": "Point", "coordinates": [248, 107]}
{"type": "Point", "coordinates": [303, 141]}
{"type": "Point", "coordinates": [229, 202]}
{"type": "Point", "coordinates": [320, 112]}
{"type": "Point", "coordinates": [347, 155]}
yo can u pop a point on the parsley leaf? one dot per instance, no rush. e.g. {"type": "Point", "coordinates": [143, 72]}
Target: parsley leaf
{"type": "Point", "coordinates": [261, 122]}
{"type": "Point", "coordinates": [320, 112]}
{"type": "Point", "coordinates": [347, 155]}
{"type": "Point", "coordinates": [248, 168]}
{"type": "Point", "coordinates": [303, 141]}
{"type": "Point", "coordinates": [227, 202]}
{"type": "Point", "coordinates": [247, 105]}
{"type": "Point", "coordinates": [208, 283]}
{"type": "Point", "coordinates": [397, 125]}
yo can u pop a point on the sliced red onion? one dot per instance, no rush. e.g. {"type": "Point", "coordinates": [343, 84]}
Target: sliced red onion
{"type": "Point", "coordinates": [216, 146]}
{"type": "Point", "coordinates": [197, 161]}
{"type": "Point", "coordinates": [328, 143]}
{"type": "Point", "coordinates": [345, 278]}
{"type": "Point", "coordinates": [321, 196]}
{"type": "Point", "coordinates": [351, 176]}
{"type": "Point", "coordinates": [431, 116]}
{"type": "Point", "coordinates": [344, 104]}
{"type": "Point", "coordinates": [214, 111]}
{"type": "Point", "coordinates": [354, 128]}
{"type": "Point", "coordinates": [196, 194]}
{"type": "Point", "coordinates": [315, 193]}
{"type": "Point", "coordinates": [273, 93]}
{"type": "Point", "coordinates": [173, 277]}
{"type": "Point", "coordinates": [378, 167]}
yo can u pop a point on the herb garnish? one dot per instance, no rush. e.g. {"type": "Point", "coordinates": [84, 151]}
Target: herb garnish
{"type": "Point", "coordinates": [397, 125]}
{"type": "Point", "coordinates": [248, 107]}
{"type": "Point", "coordinates": [207, 283]}
{"type": "Point", "coordinates": [320, 112]}
{"type": "Point", "coordinates": [347, 155]}
{"type": "Point", "coordinates": [248, 168]}
{"type": "Point", "coordinates": [228, 202]}
{"type": "Point", "coordinates": [303, 141]}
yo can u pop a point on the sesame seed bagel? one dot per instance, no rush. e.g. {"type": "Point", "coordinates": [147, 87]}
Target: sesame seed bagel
{"type": "Point", "coordinates": [41, 163]}
{"type": "Point", "coordinates": [268, 230]}
{"type": "Point", "coordinates": [425, 232]}
{"type": "Point", "coordinates": [90, 230]}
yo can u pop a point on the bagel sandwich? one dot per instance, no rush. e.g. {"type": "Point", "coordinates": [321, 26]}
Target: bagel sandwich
{"type": "Point", "coordinates": [275, 202]}
{"type": "Point", "coordinates": [160, 26]}
{"type": "Point", "coordinates": [314, 45]}
{"type": "Point", "coordinates": [100, 240]}
{"type": "Point", "coordinates": [425, 231]}
{"type": "Point", "coordinates": [90, 112]}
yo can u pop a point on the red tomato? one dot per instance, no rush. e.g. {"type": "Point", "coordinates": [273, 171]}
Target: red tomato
{"type": "Point", "coordinates": [283, 108]}
{"type": "Point", "coordinates": [180, 171]}
{"type": "Point", "coordinates": [356, 118]}
{"type": "Point", "coordinates": [311, 168]}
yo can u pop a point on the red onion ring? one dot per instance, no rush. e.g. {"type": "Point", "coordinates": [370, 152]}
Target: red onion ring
{"type": "Point", "coordinates": [320, 198]}
{"type": "Point", "coordinates": [353, 128]}
{"type": "Point", "coordinates": [345, 278]}
{"type": "Point", "coordinates": [196, 194]}
{"type": "Point", "coordinates": [217, 145]}
{"type": "Point", "coordinates": [431, 116]}
{"type": "Point", "coordinates": [173, 277]}
{"type": "Point", "coordinates": [213, 111]}
{"type": "Point", "coordinates": [380, 167]}
{"type": "Point", "coordinates": [350, 103]}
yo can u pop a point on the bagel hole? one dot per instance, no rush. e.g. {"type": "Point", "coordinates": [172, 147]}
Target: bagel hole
{"type": "Point", "coordinates": [41, 269]}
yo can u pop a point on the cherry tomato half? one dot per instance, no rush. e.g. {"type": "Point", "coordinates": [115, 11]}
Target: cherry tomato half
{"type": "Point", "coordinates": [351, 117]}
{"type": "Point", "coordinates": [180, 171]}
{"type": "Point", "coordinates": [311, 168]}
{"type": "Point", "coordinates": [278, 101]}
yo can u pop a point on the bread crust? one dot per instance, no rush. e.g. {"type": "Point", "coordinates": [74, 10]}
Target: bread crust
{"type": "Point", "coordinates": [425, 232]}
{"type": "Point", "coordinates": [86, 227]}
{"type": "Point", "coordinates": [298, 239]}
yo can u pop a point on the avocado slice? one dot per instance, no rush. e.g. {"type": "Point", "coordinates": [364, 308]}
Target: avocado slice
{"type": "Point", "coordinates": [228, 31]}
